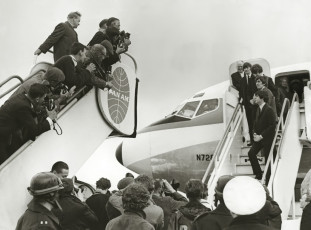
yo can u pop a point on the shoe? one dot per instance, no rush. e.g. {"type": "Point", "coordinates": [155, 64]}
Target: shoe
{"type": "Point", "coordinates": [258, 177]}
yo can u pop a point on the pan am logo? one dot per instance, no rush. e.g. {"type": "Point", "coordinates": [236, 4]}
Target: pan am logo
{"type": "Point", "coordinates": [119, 96]}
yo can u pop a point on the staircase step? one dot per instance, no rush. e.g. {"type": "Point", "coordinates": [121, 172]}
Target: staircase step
{"type": "Point", "coordinates": [244, 160]}
{"type": "Point", "coordinates": [246, 169]}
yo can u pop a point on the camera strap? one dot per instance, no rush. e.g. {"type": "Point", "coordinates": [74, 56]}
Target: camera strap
{"type": "Point", "coordinates": [58, 130]}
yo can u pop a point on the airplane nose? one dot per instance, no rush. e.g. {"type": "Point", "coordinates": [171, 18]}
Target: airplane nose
{"type": "Point", "coordinates": [119, 153]}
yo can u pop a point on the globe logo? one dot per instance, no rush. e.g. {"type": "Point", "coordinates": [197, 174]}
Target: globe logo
{"type": "Point", "coordinates": [119, 95]}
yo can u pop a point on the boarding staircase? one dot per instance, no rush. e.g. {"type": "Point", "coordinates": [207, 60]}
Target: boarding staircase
{"type": "Point", "coordinates": [85, 126]}
{"type": "Point", "coordinates": [230, 157]}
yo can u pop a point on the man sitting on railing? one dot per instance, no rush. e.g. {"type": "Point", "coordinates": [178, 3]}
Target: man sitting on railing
{"type": "Point", "coordinates": [264, 129]}
{"type": "Point", "coordinates": [18, 113]}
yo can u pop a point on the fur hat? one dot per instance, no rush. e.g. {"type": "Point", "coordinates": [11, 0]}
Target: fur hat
{"type": "Point", "coordinates": [125, 182]}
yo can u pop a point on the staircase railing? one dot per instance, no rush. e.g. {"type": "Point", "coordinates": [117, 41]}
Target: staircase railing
{"type": "Point", "coordinates": [223, 144]}
{"type": "Point", "coordinates": [272, 160]}
{"type": "Point", "coordinates": [13, 87]}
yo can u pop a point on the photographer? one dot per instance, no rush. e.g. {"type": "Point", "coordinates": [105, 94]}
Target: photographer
{"type": "Point", "coordinates": [18, 120]}
{"type": "Point", "coordinates": [169, 204]}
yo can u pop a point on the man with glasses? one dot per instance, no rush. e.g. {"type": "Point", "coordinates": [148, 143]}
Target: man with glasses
{"type": "Point", "coordinates": [62, 37]}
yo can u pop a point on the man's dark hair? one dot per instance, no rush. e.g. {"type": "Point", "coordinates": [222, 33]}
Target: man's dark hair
{"type": "Point", "coordinates": [262, 95]}
{"type": "Point", "coordinates": [111, 20]}
{"type": "Point", "coordinates": [37, 90]}
{"type": "Point", "coordinates": [146, 181]}
{"type": "Point", "coordinates": [262, 79]}
{"type": "Point", "coordinates": [58, 166]}
{"type": "Point", "coordinates": [77, 47]}
{"type": "Point", "coordinates": [129, 175]}
{"type": "Point", "coordinates": [103, 22]}
{"type": "Point", "coordinates": [247, 65]}
{"type": "Point", "coordinates": [75, 14]}
{"type": "Point", "coordinates": [103, 183]}
{"type": "Point", "coordinates": [194, 189]}
{"type": "Point", "coordinates": [256, 69]}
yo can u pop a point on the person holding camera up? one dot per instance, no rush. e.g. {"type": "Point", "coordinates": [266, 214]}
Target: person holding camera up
{"type": "Point", "coordinates": [18, 113]}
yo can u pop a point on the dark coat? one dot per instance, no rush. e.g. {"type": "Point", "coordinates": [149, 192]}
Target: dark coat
{"type": "Point", "coordinates": [61, 39]}
{"type": "Point", "coordinates": [97, 38]}
{"type": "Point", "coordinates": [264, 124]}
{"type": "Point", "coordinates": [129, 220]}
{"type": "Point", "coordinates": [249, 222]}
{"type": "Point", "coordinates": [75, 215]}
{"type": "Point", "coordinates": [169, 205]}
{"type": "Point", "coordinates": [247, 90]}
{"type": "Point", "coordinates": [236, 79]}
{"type": "Point", "coordinates": [37, 217]}
{"type": "Point", "coordinates": [217, 219]}
{"type": "Point", "coordinates": [305, 223]}
{"type": "Point", "coordinates": [18, 113]}
{"type": "Point", "coordinates": [97, 203]}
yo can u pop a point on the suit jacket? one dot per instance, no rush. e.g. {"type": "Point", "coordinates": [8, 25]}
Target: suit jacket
{"type": "Point", "coordinates": [61, 39]}
{"type": "Point", "coordinates": [249, 222]}
{"type": "Point", "coordinates": [264, 123]}
{"type": "Point", "coordinates": [236, 78]}
{"type": "Point", "coordinates": [247, 90]}
{"type": "Point", "coordinates": [17, 113]}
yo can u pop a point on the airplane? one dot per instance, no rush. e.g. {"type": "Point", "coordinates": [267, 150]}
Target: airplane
{"type": "Point", "coordinates": [183, 145]}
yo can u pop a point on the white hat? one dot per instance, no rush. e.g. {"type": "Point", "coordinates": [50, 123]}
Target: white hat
{"type": "Point", "coordinates": [244, 195]}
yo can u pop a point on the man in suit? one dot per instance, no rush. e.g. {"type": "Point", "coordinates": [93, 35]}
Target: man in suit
{"type": "Point", "coordinates": [18, 113]}
{"type": "Point", "coordinates": [264, 130]}
{"type": "Point", "coordinates": [238, 75]}
{"type": "Point", "coordinates": [62, 37]}
{"type": "Point", "coordinates": [247, 90]}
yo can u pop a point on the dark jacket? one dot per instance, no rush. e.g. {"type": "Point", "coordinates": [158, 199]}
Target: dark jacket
{"type": "Point", "coordinates": [193, 209]}
{"type": "Point", "coordinates": [270, 214]}
{"type": "Point", "coordinates": [129, 220]}
{"type": "Point", "coordinates": [97, 203]}
{"type": "Point", "coordinates": [18, 113]}
{"type": "Point", "coordinates": [37, 217]}
{"type": "Point", "coordinates": [61, 39]}
{"type": "Point", "coordinates": [249, 222]}
{"type": "Point", "coordinates": [247, 90]}
{"type": "Point", "coordinates": [306, 218]}
{"type": "Point", "coordinates": [236, 79]}
{"type": "Point", "coordinates": [75, 215]}
{"type": "Point", "coordinates": [217, 219]}
{"type": "Point", "coordinates": [264, 123]}
{"type": "Point", "coordinates": [97, 38]}
{"type": "Point", "coordinates": [169, 205]}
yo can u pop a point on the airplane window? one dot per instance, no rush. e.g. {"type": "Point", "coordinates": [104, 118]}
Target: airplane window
{"type": "Point", "coordinates": [207, 106]}
{"type": "Point", "coordinates": [188, 109]}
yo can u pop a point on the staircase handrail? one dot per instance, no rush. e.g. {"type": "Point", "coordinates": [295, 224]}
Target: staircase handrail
{"type": "Point", "coordinates": [13, 87]}
{"type": "Point", "coordinates": [221, 143]}
{"type": "Point", "coordinates": [281, 124]}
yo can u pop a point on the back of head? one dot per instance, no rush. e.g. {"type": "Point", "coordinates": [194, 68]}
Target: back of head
{"type": "Point", "coordinates": [244, 195]}
{"type": "Point", "coordinates": [76, 48]}
{"type": "Point", "coordinates": [123, 183]}
{"type": "Point", "coordinates": [103, 23]}
{"type": "Point", "coordinates": [256, 69]}
{"type": "Point", "coordinates": [107, 44]}
{"type": "Point", "coordinates": [135, 197]}
{"type": "Point", "coordinates": [44, 183]}
{"type": "Point", "coordinates": [68, 186]}
{"type": "Point", "coordinates": [54, 74]}
{"type": "Point", "coordinates": [103, 184]}
{"type": "Point", "coordinates": [221, 183]}
{"type": "Point", "coordinates": [75, 14]}
{"type": "Point", "coordinates": [98, 52]}
{"type": "Point", "coordinates": [194, 189]}
{"type": "Point", "coordinates": [37, 90]}
{"type": "Point", "coordinates": [146, 181]}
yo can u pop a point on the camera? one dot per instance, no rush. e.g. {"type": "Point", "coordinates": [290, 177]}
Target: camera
{"type": "Point", "coordinates": [59, 89]}
{"type": "Point", "coordinates": [123, 35]}
{"type": "Point", "coordinates": [49, 103]}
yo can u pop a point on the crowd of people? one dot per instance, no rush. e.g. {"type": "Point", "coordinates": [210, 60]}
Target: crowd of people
{"type": "Point", "coordinates": [32, 108]}
{"type": "Point", "coordinates": [241, 202]}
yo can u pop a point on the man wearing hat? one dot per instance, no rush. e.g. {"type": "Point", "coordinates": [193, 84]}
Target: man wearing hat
{"type": "Point", "coordinates": [221, 216]}
{"type": "Point", "coordinates": [245, 196]}
{"type": "Point", "coordinates": [238, 75]}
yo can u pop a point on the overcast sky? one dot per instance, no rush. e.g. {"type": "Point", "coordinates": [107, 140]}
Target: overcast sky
{"type": "Point", "coordinates": [181, 46]}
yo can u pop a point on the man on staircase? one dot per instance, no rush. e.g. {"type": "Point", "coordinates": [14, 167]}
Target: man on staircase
{"type": "Point", "coordinates": [263, 131]}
